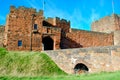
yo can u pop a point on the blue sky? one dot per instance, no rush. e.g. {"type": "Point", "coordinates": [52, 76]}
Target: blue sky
{"type": "Point", "coordinates": [81, 13]}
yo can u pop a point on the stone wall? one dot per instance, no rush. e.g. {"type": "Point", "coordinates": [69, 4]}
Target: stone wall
{"type": "Point", "coordinates": [107, 24]}
{"type": "Point", "coordinates": [97, 59]}
{"type": "Point", "coordinates": [54, 33]}
{"type": "Point", "coordinates": [19, 26]}
{"type": "Point", "coordinates": [51, 21]}
{"type": "Point", "coordinates": [80, 38]}
{"type": "Point", "coordinates": [1, 35]}
{"type": "Point", "coordinates": [63, 24]}
{"type": "Point", "coordinates": [59, 23]}
{"type": "Point", "coordinates": [21, 23]}
{"type": "Point", "coordinates": [117, 38]}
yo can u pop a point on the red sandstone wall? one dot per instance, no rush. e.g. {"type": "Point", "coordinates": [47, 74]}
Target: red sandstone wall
{"type": "Point", "coordinates": [59, 23]}
{"type": "Point", "coordinates": [79, 38]}
{"type": "Point", "coordinates": [54, 33]}
{"type": "Point", "coordinates": [19, 27]}
{"type": "Point", "coordinates": [37, 36]}
{"type": "Point", "coordinates": [63, 24]}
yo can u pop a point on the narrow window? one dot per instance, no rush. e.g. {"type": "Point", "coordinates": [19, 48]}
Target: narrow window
{"type": "Point", "coordinates": [48, 30]}
{"type": "Point", "coordinates": [35, 26]}
{"type": "Point", "coordinates": [19, 43]}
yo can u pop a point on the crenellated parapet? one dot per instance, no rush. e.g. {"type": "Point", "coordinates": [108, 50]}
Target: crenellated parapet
{"type": "Point", "coordinates": [24, 10]}
{"type": "Point", "coordinates": [62, 20]}
{"type": "Point", "coordinates": [57, 22]}
{"type": "Point", "coordinates": [63, 24]}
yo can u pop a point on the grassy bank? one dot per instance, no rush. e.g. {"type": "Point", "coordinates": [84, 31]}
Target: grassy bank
{"type": "Point", "coordinates": [97, 76]}
{"type": "Point", "coordinates": [23, 63]}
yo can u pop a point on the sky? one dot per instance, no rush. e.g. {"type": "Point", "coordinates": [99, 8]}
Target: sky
{"type": "Point", "coordinates": [81, 13]}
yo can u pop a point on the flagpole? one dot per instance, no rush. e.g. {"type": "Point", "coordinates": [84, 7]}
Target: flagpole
{"type": "Point", "coordinates": [113, 6]}
{"type": "Point", "coordinates": [43, 5]}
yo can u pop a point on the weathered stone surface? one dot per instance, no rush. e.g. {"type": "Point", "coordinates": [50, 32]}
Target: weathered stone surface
{"type": "Point", "coordinates": [80, 38]}
{"type": "Point", "coordinates": [117, 37]}
{"type": "Point", "coordinates": [97, 60]}
{"type": "Point", "coordinates": [107, 24]}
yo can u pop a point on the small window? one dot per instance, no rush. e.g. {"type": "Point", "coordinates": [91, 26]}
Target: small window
{"type": "Point", "coordinates": [35, 26]}
{"type": "Point", "coordinates": [48, 30]}
{"type": "Point", "coordinates": [19, 42]}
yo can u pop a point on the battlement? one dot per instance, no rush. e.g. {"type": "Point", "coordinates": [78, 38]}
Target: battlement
{"type": "Point", "coordinates": [59, 23]}
{"type": "Point", "coordinates": [54, 21]}
{"type": "Point", "coordinates": [62, 20]}
{"type": "Point", "coordinates": [63, 24]}
{"type": "Point", "coordinates": [23, 9]}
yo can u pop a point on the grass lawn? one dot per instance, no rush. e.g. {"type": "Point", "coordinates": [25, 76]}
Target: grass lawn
{"type": "Point", "coordinates": [97, 76]}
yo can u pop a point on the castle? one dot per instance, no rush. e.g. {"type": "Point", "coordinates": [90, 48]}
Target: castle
{"type": "Point", "coordinates": [27, 29]}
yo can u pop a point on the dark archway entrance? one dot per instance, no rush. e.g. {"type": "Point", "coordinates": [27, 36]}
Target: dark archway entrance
{"type": "Point", "coordinates": [80, 68]}
{"type": "Point", "coordinates": [47, 43]}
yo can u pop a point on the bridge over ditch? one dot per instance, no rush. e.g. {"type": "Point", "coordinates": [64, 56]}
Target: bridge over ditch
{"type": "Point", "coordinates": [95, 59]}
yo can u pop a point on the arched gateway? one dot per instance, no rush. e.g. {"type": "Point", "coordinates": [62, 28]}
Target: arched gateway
{"type": "Point", "coordinates": [48, 43]}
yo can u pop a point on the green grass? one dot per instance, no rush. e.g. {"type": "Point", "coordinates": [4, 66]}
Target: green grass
{"type": "Point", "coordinates": [97, 76]}
{"type": "Point", "coordinates": [21, 63]}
